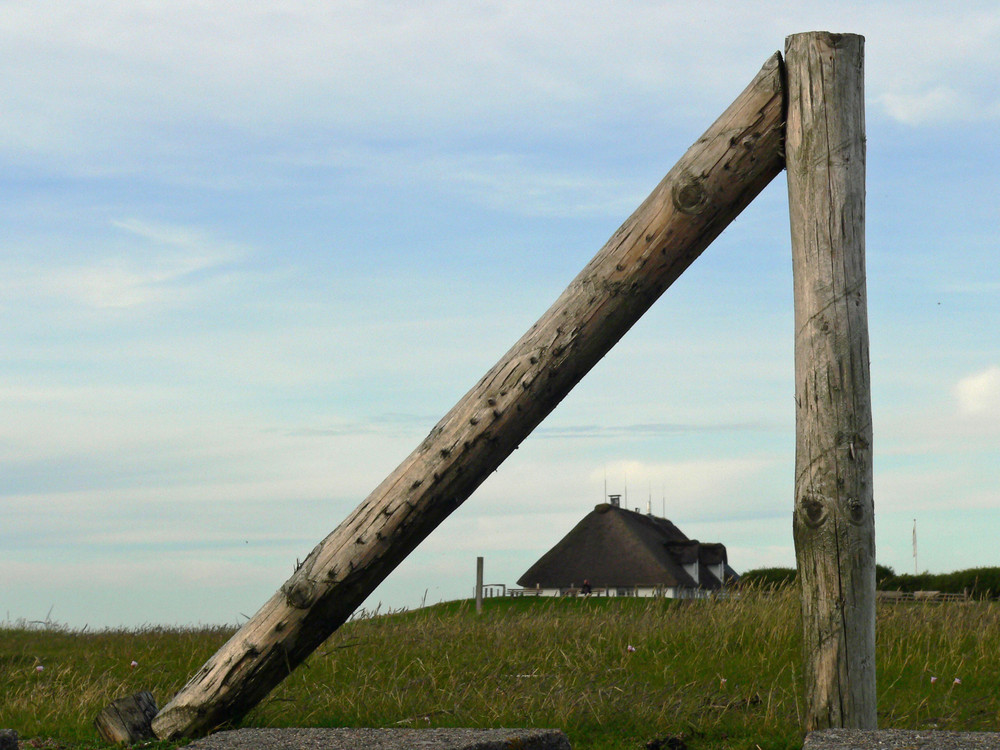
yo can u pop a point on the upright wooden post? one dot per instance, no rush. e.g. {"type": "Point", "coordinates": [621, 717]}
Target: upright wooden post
{"type": "Point", "coordinates": [834, 524]}
{"type": "Point", "coordinates": [716, 179]}
{"type": "Point", "coordinates": [479, 585]}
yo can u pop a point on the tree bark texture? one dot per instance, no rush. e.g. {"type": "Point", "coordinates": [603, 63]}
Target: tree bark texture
{"type": "Point", "coordinates": [834, 525]}
{"type": "Point", "coordinates": [718, 176]}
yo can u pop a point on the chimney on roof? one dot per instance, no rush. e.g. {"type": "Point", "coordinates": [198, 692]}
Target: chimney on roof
{"type": "Point", "coordinates": [615, 500]}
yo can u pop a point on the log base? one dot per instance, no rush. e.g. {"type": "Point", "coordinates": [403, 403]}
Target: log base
{"type": "Point", "coordinates": [128, 720]}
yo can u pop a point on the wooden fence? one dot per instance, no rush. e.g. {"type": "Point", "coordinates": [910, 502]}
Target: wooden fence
{"type": "Point", "coordinates": [893, 597]}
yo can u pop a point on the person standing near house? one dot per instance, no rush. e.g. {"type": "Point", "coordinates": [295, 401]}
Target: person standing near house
{"type": "Point", "coordinates": [585, 588]}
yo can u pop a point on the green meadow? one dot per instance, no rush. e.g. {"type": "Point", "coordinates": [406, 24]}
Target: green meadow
{"type": "Point", "coordinates": [611, 673]}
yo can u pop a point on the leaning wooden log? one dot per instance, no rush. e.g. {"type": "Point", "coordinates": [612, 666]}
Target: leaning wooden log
{"type": "Point", "coordinates": [718, 176]}
{"type": "Point", "coordinates": [834, 510]}
{"type": "Point", "coordinates": [127, 720]}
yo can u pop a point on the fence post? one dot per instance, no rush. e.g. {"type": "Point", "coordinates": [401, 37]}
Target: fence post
{"type": "Point", "coordinates": [479, 585]}
{"type": "Point", "coordinates": [834, 524]}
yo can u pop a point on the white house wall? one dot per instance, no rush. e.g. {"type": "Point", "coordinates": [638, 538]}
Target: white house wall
{"type": "Point", "coordinates": [669, 592]}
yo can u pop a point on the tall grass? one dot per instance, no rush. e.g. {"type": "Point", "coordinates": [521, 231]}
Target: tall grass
{"type": "Point", "coordinates": [54, 681]}
{"type": "Point", "coordinates": [612, 673]}
{"type": "Point", "coordinates": [939, 666]}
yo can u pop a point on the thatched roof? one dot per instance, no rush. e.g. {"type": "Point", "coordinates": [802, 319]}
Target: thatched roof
{"type": "Point", "coordinates": [617, 548]}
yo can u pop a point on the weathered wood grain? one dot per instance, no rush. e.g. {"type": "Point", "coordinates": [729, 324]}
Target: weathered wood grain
{"type": "Point", "coordinates": [834, 524]}
{"type": "Point", "coordinates": [127, 720]}
{"type": "Point", "coordinates": [718, 176]}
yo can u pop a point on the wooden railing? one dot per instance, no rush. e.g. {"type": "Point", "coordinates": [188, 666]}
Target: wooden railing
{"type": "Point", "coordinates": [893, 597]}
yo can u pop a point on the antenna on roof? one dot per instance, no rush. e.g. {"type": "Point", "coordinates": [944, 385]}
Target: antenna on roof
{"type": "Point", "coordinates": [649, 500]}
{"type": "Point", "coordinates": [664, 500]}
{"type": "Point", "coordinates": [605, 498]}
{"type": "Point", "coordinates": [626, 488]}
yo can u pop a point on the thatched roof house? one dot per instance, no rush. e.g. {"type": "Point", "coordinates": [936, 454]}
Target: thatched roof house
{"type": "Point", "coordinates": [621, 552]}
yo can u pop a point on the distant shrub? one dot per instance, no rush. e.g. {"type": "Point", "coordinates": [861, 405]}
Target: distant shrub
{"type": "Point", "coordinates": [883, 573]}
{"type": "Point", "coordinates": [886, 578]}
{"type": "Point", "coordinates": [768, 577]}
{"type": "Point", "coordinates": [982, 583]}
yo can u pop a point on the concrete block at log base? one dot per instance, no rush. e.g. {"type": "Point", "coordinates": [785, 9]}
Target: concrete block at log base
{"type": "Point", "coordinates": [900, 739]}
{"type": "Point", "coordinates": [384, 739]}
{"type": "Point", "coordinates": [8, 739]}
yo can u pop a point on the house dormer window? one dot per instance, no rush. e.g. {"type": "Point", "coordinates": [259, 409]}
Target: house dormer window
{"type": "Point", "coordinates": [692, 570]}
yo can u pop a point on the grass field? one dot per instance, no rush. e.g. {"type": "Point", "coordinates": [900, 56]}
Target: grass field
{"type": "Point", "coordinates": [612, 673]}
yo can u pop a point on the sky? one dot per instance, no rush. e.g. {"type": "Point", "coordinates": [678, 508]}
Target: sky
{"type": "Point", "coordinates": [252, 252]}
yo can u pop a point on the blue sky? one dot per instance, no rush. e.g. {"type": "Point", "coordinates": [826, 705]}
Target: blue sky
{"type": "Point", "coordinates": [252, 253]}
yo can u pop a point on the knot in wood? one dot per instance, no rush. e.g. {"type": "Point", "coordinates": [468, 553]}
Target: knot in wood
{"type": "Point", "coordinates": [689, 195]}
{"type": "Point", "coordinates": [812, 510]}
{"type": "Point", "coordinates": [855, 511]}
{"type": "Point", "coordinates": [299, 594]}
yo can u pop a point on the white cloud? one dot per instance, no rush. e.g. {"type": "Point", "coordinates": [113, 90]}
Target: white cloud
{"type": "Point", "coordinates": [761, 556]}
{"type": "Point", "coordinates": [937, 104]}
{"type": "Point", "coordinates": [978, 394]}
{"type": "Point", "coordinates": [430, 67]}
{"type": "Point", "coordinates": [941, 483]}
{"type": "Point", "coordinates": [169, 235]}
{"type": "Point", "coordinates": [499, 179]}
{"type": "Point", "coordinates": [501, 534]}
{"type": "Point", "coordinates": [928, 63]}
{"type": "Point", "coordinates": [709, 482]}
{"type": "Point", "coordinates": [184, 568]}
{"type": "Point", "coordinates": [122, 462]}
{"type": "Point", "coordinates": [113, 285]}
{"type": "Point", "coordinates": [152, 264]}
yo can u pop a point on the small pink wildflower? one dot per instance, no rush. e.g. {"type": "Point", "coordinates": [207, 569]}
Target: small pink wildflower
{"type": "Point", "coordinates": [134, 664]}
{"type": "Point", "coordinates": [933, 680]}
{"type": "Point", "coordinates": [630, 648]}
{"type": "Point", "coordinates": [722, 682]}
{"type": "Point", "coordinates": [957, 681]}
{"type": "Point", "coordinates": [39, 668]}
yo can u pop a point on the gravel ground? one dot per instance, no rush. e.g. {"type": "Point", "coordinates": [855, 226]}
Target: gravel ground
{"type": "Point", "coordinates": [899, 739]}
{"type": "Point", "coordinates": [384, 739]}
